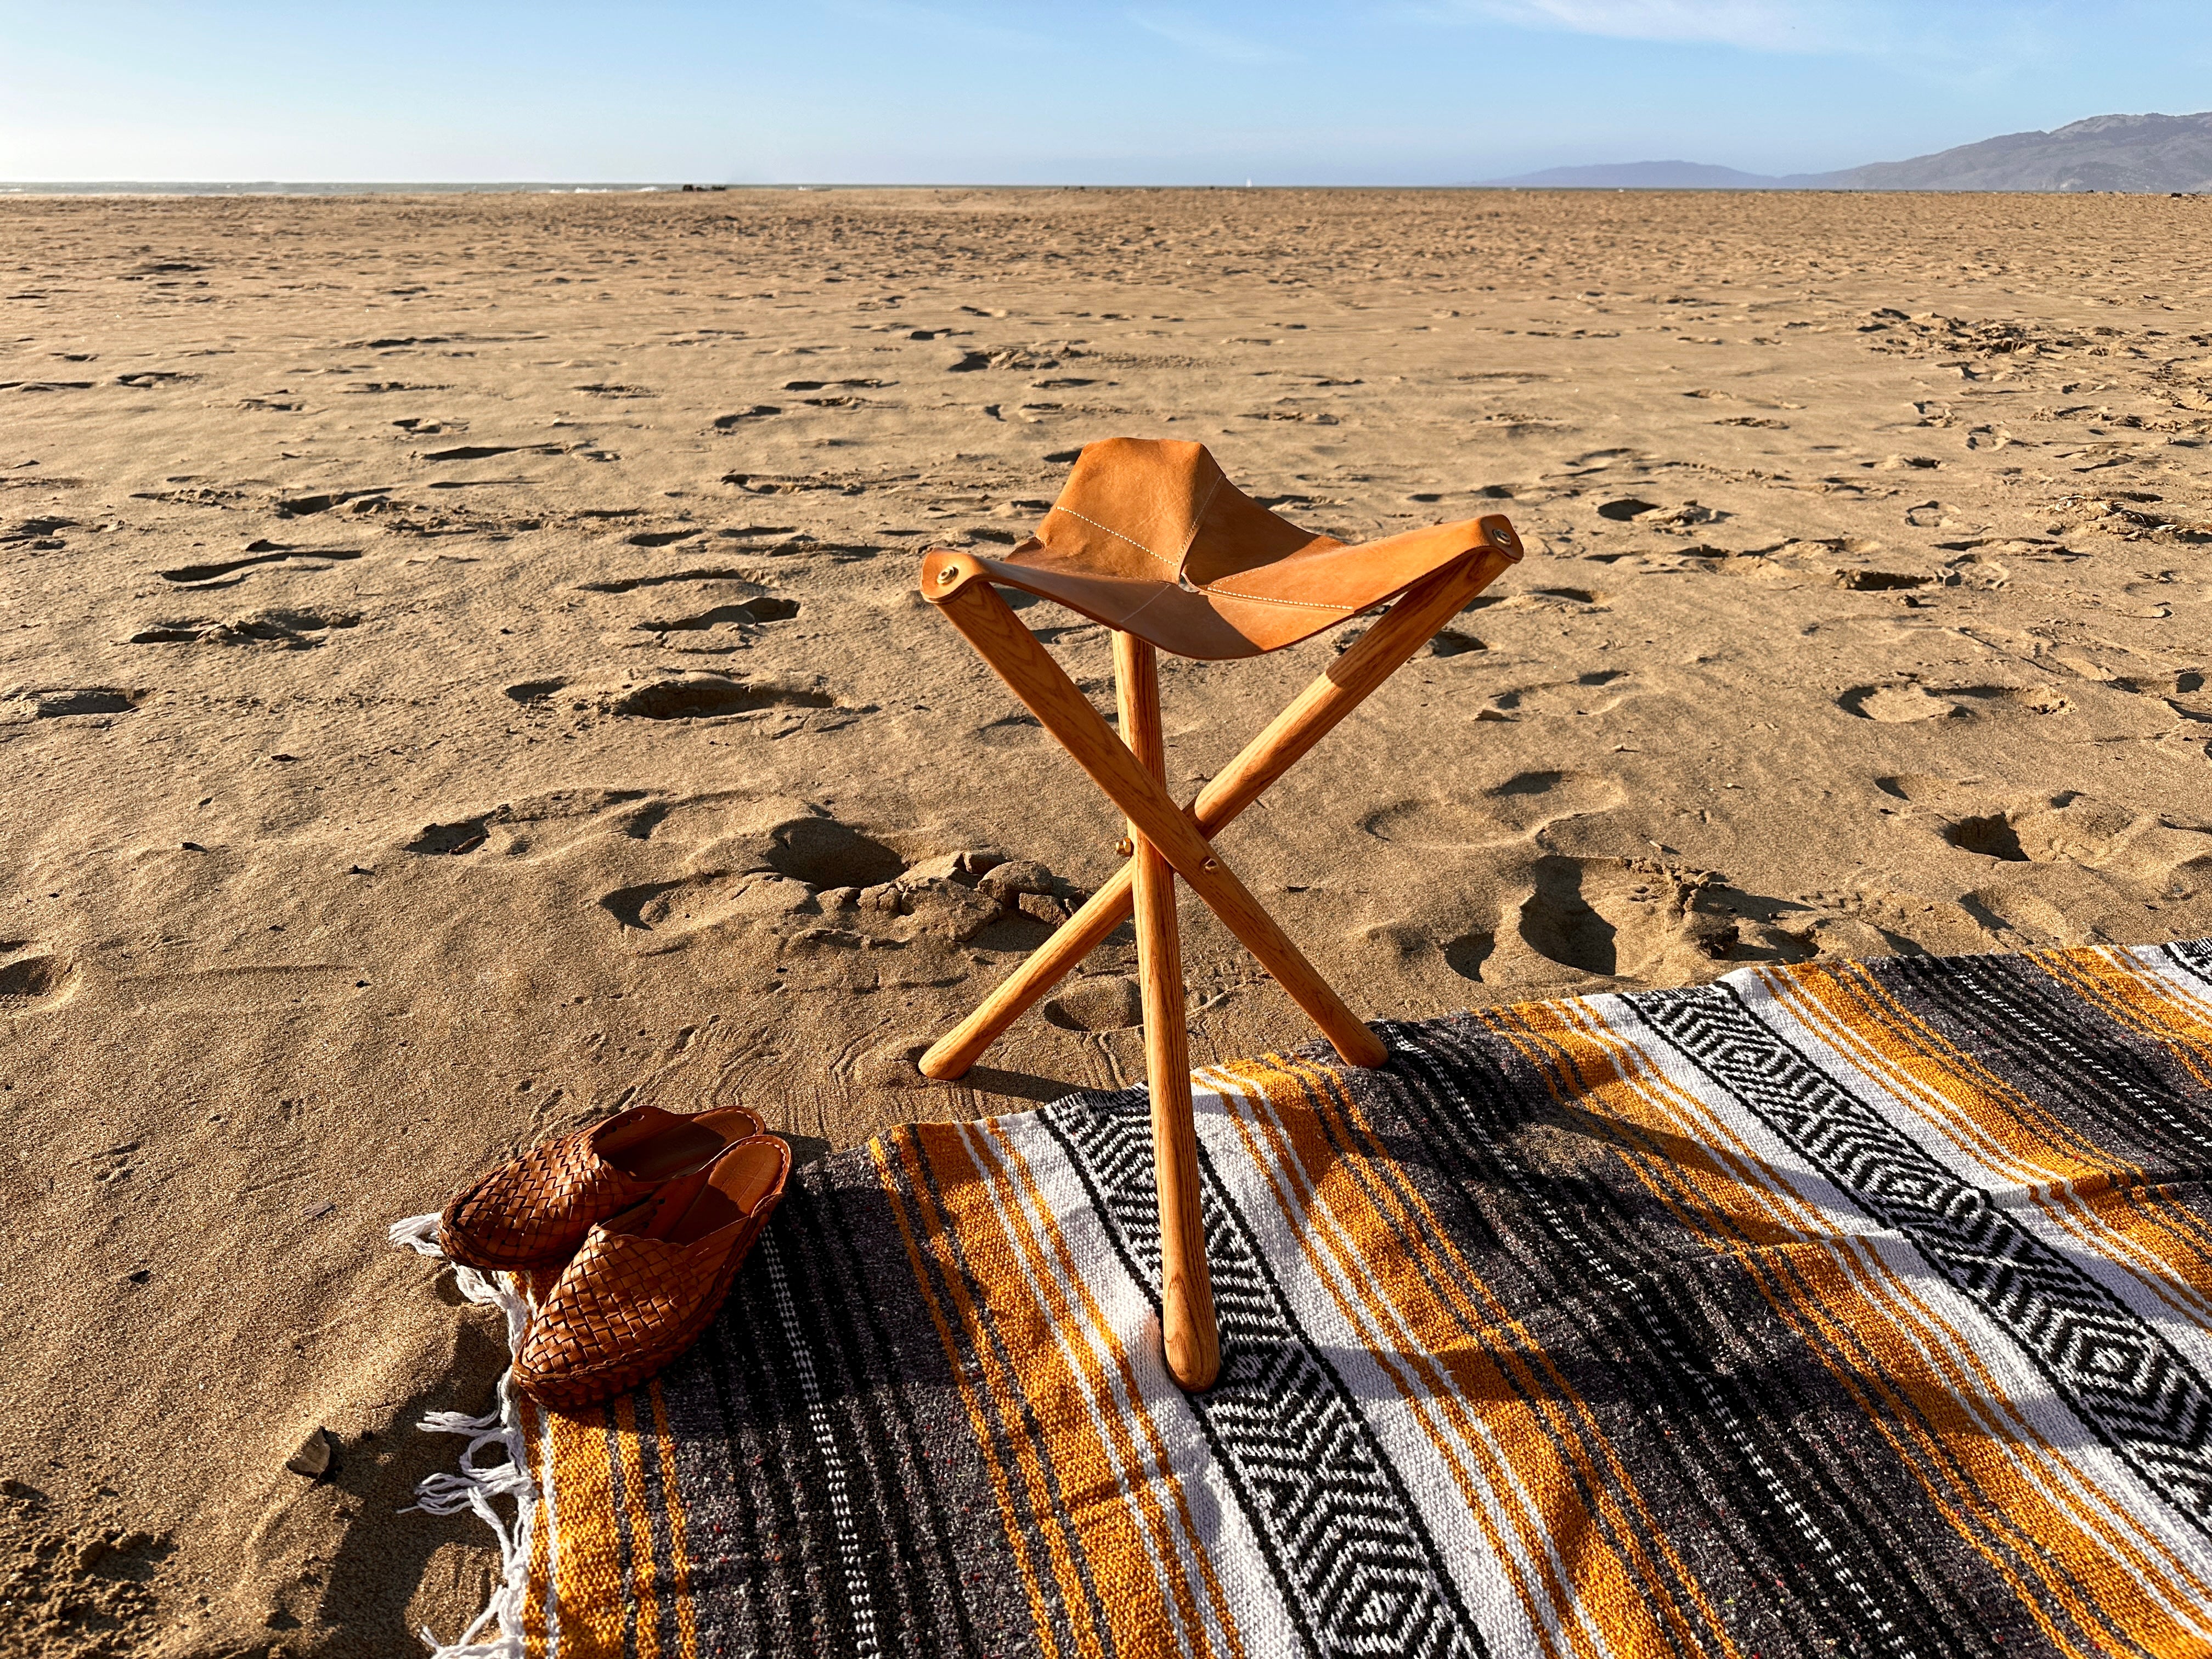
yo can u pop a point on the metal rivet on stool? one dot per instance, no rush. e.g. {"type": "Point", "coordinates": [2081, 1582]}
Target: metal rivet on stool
{"type": "Point", "coordinates": [1498, 533]}
{"type": "Point", "coordinates": [949, 575]}
{"type": "Point", "coordinates": [1125, 847]}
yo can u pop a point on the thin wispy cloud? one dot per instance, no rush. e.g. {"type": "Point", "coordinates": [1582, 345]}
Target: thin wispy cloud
{"type": "Point", "coordinates": [1784, 26]}
{"type": "Point", "coordinates": [1959, 44]}
{"type": "Point", "coordinates": [1193, 35]}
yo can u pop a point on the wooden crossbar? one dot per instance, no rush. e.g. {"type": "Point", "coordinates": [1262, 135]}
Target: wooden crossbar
{"type": "Point", "coordinates": [1030, 672]}
{"type": "Point", "coordinates": [1379, 653]}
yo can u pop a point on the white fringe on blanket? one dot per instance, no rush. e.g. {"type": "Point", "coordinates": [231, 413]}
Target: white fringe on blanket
{"type": "Point", "coordinates": [473, 1486]}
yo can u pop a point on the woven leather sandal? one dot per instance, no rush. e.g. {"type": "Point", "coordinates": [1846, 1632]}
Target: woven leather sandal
{"type": "Point", "coordinates": [648, 1283]}
{"type": "Point", "coordinates": [535, 1210]}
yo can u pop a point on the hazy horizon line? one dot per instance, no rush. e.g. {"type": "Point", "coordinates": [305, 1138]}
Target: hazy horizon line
{"type": "Point", "coordinates": [623, 187]}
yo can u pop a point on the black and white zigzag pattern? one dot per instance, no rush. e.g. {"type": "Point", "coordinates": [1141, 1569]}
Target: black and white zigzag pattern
{"type": "Point", "coordinates": [2194, 955]}
{"type": "Point", "coordinates": [2124, 1379]}
{"type": "Point", "coordinates": [1356, 1566]}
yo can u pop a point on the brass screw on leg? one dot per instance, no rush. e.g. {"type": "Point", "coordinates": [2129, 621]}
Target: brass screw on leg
{"type": "Point", "coordinates": [1125, 847]}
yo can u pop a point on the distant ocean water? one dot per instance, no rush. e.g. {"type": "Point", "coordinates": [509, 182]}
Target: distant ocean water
{"type": "Point", "coordinates": [341, 187]}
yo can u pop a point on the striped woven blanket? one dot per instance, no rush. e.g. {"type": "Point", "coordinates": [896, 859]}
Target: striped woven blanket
{"type": "Point", "coordinates": [1835, 1310]}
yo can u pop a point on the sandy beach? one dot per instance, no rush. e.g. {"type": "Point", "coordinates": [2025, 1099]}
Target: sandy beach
{"type": "Point", "coordinates": [461, 665]}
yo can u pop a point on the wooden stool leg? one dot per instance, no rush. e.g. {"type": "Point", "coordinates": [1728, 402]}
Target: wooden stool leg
{"type": "Point", "coordinates": [1186, 1329]}
{"type": "Point", "coordinates": [1379, 654]}
{"type": "Point", "coordinates": [1031, 674]}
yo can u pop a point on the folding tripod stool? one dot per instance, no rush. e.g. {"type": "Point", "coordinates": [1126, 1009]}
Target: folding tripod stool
{"type": "Point", "coordinates": [1150, 539]}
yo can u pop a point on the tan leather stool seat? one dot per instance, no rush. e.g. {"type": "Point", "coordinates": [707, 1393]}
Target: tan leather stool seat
{"type": "Point", "coordinates": [1149, 537]}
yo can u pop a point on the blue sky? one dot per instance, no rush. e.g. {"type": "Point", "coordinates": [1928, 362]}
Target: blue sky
{"type": "Point", "coordinates": [1394, 92]}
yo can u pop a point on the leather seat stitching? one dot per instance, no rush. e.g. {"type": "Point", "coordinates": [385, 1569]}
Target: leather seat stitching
{"type": "Point", "coordinates": [1110, 530]}
{"type": "Point", "coordinates": [1262, 598]}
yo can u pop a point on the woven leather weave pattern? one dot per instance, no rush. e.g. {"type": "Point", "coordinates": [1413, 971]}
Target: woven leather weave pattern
{"type": "Point", "coordinates": [626, 1306]}
{"type": "Point", "coordinates": [537, 1207]}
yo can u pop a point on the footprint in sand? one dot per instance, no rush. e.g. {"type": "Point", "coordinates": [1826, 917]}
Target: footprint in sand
{"type": "Point", "coordinates": [1585, 915]}
{"type": "Point", "coordinates": [739, 613]}
{"type": "Point", "coordinates": [2007, 701]}
{"type": "Point", "coordinates": [709, 697]}
{"type": "Point", "coordinates": [766, 870]}
{"type": "Point", "coordinates": [485, 452]}
{"type": "Point", "coordinates": [1895, 705]}
{"type": "Point", "coordinates": [1873, 922]}
{"type": "Point", "coordinates": [1902, 703]}
{"type": "Point", "coordinates": [285, 630]}
{"type": "Point", "coordinates": [695, 902]}
{"type": "Point", "coordinates": [1634, 919]}
{"type": "Point", "coordinates": [1544, 598]}
{"type": "Point", "coordinates": [63, 702]}
{"type": "Point", "coordinates": [1627, 510]}
{"type": "Point", "coordinates": [1465, 955]}
{"type": "Point", "coordinates": [2016, 917]}
{"type": "Point", "coordinates": [40, 533]}
{"type": "Point", "coordinates": [751, 575]}
{"type": "Point", "coordinates": [1597, 692]}
{"type": "Point", "coordinates": [824, 852]}
{"type": "Point", "coordinates": [819, 891]}
{"type": "Point", "coordinates": [1103, 1003]}
{"type": "Point", "coordinates": [521, 826]}
{"type": "Point", "coordinates": [304, 507]}
{"type": "Point", "coordinates": [1521, 807]}
{"type": "Point", "coordinates": [1979, 571]}
{"type": "Point", "coordinates": [739, 832]}
{"type": "Point", "coordinates": [33, 981]}
{"type": "Point", "coordinates": [1991, 835]}
{"type": "Point", "coordinates": [257, 552]}
{"type": "Point", "coordinates": [1880, 581]}
{"type": "Point", "coordinates": [1454, 642]}
{"type": "Point", "coordinates": [2173, 859]}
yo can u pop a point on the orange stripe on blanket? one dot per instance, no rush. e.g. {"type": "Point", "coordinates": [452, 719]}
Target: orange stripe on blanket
{"type": "Point", "coordinates": [1573, 1447]}
{"type": "Point", "coordinates": [1943, 1412]}
{"type": "Point", "coordinates": [1610, 1088]}
{"type": "Point", "coordinates": [1448, 1369]}
{"type": "Point", "coordinates": [1136, 1566]}
{"type": "Point", "coordinates": [679, 1551]}
{"type": "Point", "coordinates": [923, 1232]}
{"type": "Point", "coordinates": [2017, 1500]}
{"type": "Point", "coordinates": [643, 1575]}
{"type": "Point", "coordinates": [536, 1452]}
{"type": "Point", "coordinates": [2140, 1001]}
{"type": "Point", "coordinates": [589, 1593]}
{"type": "Point", "coordinates": [2107, 1205]}
{"type": "Point", "coordinates": [1863, 1021]}
{"type": "Point", "coordinates": [1485, 1316]}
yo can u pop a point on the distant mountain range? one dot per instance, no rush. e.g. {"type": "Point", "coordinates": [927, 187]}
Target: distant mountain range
{"type": "Point", "coordinates": [2139, 153]}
